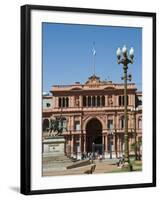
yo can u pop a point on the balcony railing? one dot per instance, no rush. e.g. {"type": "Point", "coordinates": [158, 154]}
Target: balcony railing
{"type": "Point", "coordinates": [75, 109]}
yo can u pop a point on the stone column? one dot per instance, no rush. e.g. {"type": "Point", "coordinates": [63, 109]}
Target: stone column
{"type": "Point", "coordinates": [106, 122]}
{"type": "Point", "coordinates": [69, 101]}
{"type": "Point", "coordinates": [81, 101]}
{"type": "Point", "coordinates": [130, 142]}
{"type": "Point", "coordinates": [79, 150]}
{"type": "Point", "coordinates": [113, 100]}
{"type": "Point", "coordinates": [133, 99]}
{"type": "Point", "coordinates": [69, 123]}
{"type": "Point", "coordinates": [106, 146]}
{"type": "Point", "coordinates": [54, 102]}
{"type": "Point", "coordinates": [118, 149]}
{"type": "Point", "coordinates": [116, 144]}
{"type": "Point", "coordinates": [83, 141]}
{"type": "Point", "coordinates": [100, 101]}
{"type": "Point", "coordinates": [130, 99]}
{"type": "Point", "coordinates": [91, 102]}
{"type": "Point", "coordinates": [72, 123]}
{"type": "Point", "coordinates": [117, 124]}
{"type": "Point", "coordinates": [72, 145]}
{"type": "Point", "coordinates": [122, 143]}
{"type": "Point", "coordinates": [103, 141]}
{"type": "Point", "coordinates": [128, 96]}
{"type": "Point", "coordinates": [117, 101]}
{"type": "Point", "coordinates": [130, 122]}
{"type": "Point", "coordinates": [106, 100]}
{"type": "Point", "coordinates": [113, 148]}
{"type": "Point", "coordinates": [57, 102]}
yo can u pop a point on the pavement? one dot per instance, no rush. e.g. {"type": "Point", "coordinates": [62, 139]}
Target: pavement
{"type": "Point", "coordinates": [104, 166]}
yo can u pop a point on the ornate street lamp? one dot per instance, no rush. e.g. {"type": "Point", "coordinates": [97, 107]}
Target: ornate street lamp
{"type": "Point", "coordinates": [134, 111]}
{"type": "Point", "coordinates": [122, 58]}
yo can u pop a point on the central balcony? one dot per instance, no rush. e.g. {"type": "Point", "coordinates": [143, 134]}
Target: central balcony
{"type": "Point", "coordinates": [83, 109]}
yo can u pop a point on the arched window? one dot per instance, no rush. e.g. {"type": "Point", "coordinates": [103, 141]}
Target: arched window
{"type": "Point", "coordinates": [45, 124]}
{"type": "Point", "coordinates": [59, 103]}
{"type": "Point", "coordinates": [120, 100]}
{"type": "Point", "coordinates": [84, 101]}
{"type": "Point", "coordinates": [98, 101]}
{"type": "Point", "coordinates": [89, 101]}
{"type": "Point", "coordinates": [67, 102]}
{"type": "Point", "coordinates": [122, 122]}
{"type": "Point", "coordinates": [63, 102]}
{"type": "Point", "coordinates": [93, 101]}
{"type": "Point", "coordinates": [103, 100]}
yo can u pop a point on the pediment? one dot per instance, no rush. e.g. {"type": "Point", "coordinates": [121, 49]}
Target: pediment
{"type": "Point", "coordinates": [109, 88]}
{"type": "Point", "coordinates": [76, 88]}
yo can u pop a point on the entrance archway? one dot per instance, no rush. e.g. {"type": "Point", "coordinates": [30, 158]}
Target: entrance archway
{"type": "Point", "coordinates": [94, 136]}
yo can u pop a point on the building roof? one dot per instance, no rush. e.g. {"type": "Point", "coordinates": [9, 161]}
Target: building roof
{"type": "Point", "coordinates": [92, 84]}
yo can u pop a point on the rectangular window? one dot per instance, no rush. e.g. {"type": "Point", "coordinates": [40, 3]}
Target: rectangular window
{"type": "Point", "coordinates": [110, 124]}
{"type": "Point", "coordinates": [122, 123]}
{"type": "Point", "coordinates": [77, 126]}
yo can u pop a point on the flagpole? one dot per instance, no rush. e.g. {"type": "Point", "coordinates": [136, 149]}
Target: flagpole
{"type": "Point", "coordinates": [93, 64]}
{"type": "Point", "coordinates": [94, 55]}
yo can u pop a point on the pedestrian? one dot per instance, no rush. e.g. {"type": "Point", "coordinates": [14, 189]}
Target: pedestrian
{"type": "Point", "coordinates": [100, 157]}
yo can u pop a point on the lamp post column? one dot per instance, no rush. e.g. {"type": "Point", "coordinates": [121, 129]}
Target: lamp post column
{"type": "Point", "coordinates": [134, 110]}
{"type": "Point", "coordinates": [126, 153]}
{"type": "Point", "coordinates": [135, 135]}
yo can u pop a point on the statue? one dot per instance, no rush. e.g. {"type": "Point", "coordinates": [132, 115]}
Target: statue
{"type": "Point", "coordinates": [54, 126]}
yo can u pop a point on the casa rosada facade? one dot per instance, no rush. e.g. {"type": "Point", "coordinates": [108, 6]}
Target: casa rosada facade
{"type": "Point", "coordinates": [93, 116]}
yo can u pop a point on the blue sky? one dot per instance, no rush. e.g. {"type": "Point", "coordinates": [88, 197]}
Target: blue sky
{"type": "Point", "coordinates": [67, 53]}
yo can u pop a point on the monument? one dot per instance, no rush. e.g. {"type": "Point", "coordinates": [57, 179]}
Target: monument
{"type": "Point", "coordinates": [54, 158]}
{"type": "Point", "coordinates": [53, 146]}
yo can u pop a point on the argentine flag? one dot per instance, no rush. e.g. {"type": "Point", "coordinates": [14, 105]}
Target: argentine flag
{"type": "Point", "coordinates": [94, 51]}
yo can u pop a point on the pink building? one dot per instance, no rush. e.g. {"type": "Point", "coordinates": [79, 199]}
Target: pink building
{"type": "Point", "coordinates": [93, 116]}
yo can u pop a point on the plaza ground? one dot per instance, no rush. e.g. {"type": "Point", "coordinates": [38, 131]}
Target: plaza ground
{"type": "Point", "coordinates": [104, 166]}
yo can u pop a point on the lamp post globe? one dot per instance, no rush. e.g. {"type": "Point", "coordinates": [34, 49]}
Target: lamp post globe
{"type": "Point", "coordinates": [131, 53]}
{"type": "Point", "coordinates": [118, 52]}
{"type": "Point", "coordinates": [124, 51]}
